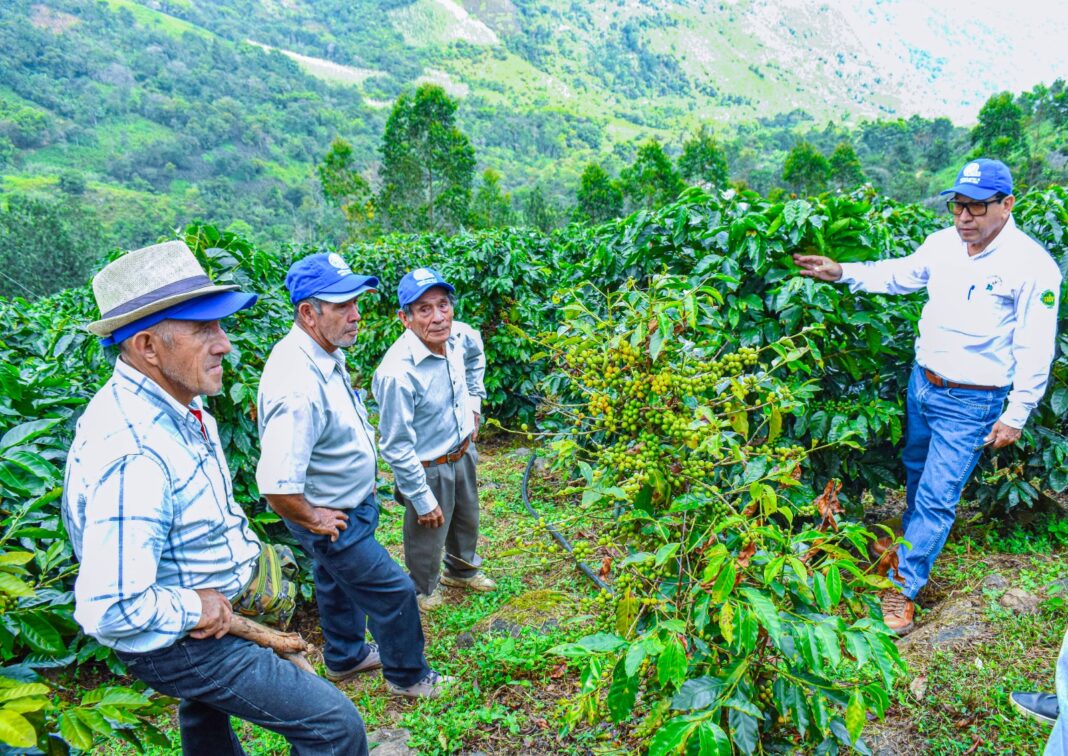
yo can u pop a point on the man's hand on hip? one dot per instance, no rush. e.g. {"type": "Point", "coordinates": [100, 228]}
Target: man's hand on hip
{"type": "Point", "coordinates": [327, 521]}
{"type": "Point", "coordinates": [1003, 435]}
{"type": "Point", "coordinates": [215, 614]}
{"type": "Point", "coordinates": [432, 519]}
{"type": "Point", "coordinates": [819, 267]}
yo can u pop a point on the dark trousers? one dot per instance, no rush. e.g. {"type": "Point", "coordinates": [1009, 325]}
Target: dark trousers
{"type": "Point", "coordinates": [217, 679]}
{"type": "Point", "coordinates": [357, 584]}
{"type": "Point", "coordinates": [455, 486]}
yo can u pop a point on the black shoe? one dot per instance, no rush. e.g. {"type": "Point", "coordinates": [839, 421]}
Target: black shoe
{"type": "Point", "coordinates": [1041, 706]}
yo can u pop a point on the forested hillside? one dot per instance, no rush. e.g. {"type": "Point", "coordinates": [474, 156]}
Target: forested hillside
{"type": "Point", "coordinates": [123, 119]}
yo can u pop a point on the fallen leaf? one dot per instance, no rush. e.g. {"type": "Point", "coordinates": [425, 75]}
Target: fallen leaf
{"type": "Point", "coordinates": [918, 686]}
{"type": "Point", "coordinates": [606, 568]}
{"type": "Point", "coordinates": [746, 554]}
{"type": "Point", "coordinates": [558, 671]}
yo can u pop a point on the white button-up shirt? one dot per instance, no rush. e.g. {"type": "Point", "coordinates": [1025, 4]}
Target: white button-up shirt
{"type": "Point", "coordinates": [315, 438]}
{"type": "Point", "coordinates": [990, 320]}
{"type": "Point", "coordinates": [425, 410]}
{"type": "Point", "coordinates": [150, 509]}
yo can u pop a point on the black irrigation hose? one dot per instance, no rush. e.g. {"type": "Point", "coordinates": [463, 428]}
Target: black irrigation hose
{"type": "Point", "coordinates": [585, 568]}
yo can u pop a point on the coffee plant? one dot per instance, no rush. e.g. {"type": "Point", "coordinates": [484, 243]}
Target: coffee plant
{"type": "Point", "coordinates": [834, 402]}
{"type": "Point", "coordinates": [740, 610]}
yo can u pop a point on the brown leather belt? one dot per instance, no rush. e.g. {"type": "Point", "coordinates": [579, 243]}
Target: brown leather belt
{"type": "Point", "coordinates": [448, 459]}
{"type": "Point", "coordinates": [937, 380]}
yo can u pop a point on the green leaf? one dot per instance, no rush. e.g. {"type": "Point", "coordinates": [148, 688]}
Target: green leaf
{"type": "Point", "coordinates": [774, 424]}
{"type": "Point", "coordinates": [726, 621]}
{"type": "Point", "coordinates": [671, 737]}
{"type": "Point", "coordinates": [74, 731]}
{"type": "Point", "coordinates": [24, 432]}
{"type": "Point", "coordinates": [95, 721]}
{"type": "Point", "coordinates": [671, 666]}
{"type": "Point", "coordinates": [829, 643]}
{"type": "Point", "coordinates": [855, 715]}
{"type": "Point", "coordinates": [724, 583]}
{"type": "Point", "coordinates": [834, 586]}
{"type": "Point", "coordinates": [118, 696]}
{"type": "Point", "coordinates": [39, 634]}
{"type": "Point", "coordinates": [15, 558]}
{"type": "Point", "coordinates": [716, 556]}
{"type": "Point", "coordinates": [626, 611]}
{"type": "Point", "coordinates": [635, 656]}
{"type": "Point", "coordinates": [622, 693]}
{"type": "Point", "coordinates": [698, 693]}
{"type": "Point", "coordinates": [599, 642]}
{"type": "Point", "coordinates": [23, 690]}
{"type": "Point", "coordinates": [743, 731]}
{"type": "Point", "coordinates": [12, 586]}
{"type": "Point", "coordinates": [15, 730]}
{"type": "Point", "coordinates": [665, 553]}
{"type": "Point", "coordinates": [766, 612]}
{"type": "Point", "coordinates": [819, 587]}
{"type": "Point", "coordinates": [714, 742]}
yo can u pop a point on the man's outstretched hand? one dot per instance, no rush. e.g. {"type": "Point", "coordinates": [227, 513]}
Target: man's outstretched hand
{"type": "Point", "coordinates": [819, 267]}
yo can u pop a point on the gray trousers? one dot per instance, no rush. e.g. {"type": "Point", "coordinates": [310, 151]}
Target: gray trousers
{"type": "Point", "coordinates": [455, 486]}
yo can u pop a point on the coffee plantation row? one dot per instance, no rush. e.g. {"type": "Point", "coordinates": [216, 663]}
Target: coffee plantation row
{"type": "Point", "coordinates": [705, 397]}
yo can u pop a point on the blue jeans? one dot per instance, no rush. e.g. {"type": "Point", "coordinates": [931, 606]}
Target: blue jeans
{"type": "Point", "coordinates": [217, 679]}
{"type": "Point", "coordinates": [945, 427]}
{"type": "Point", "coordinates": [357, 584]}
{"type": "Point", "coordinates": [1057, 745]}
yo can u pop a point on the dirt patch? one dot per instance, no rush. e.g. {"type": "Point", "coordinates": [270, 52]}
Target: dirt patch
{"type": "Point", "coordinates": [57, 22]}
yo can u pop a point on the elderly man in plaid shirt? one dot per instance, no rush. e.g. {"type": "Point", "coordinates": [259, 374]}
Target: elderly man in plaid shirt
{"type": "Point", "coordinates": [151, 514]}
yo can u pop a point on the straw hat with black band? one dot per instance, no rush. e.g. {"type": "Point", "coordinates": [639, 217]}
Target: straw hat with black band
{"type": "Point", "coordinates": [152, 284]}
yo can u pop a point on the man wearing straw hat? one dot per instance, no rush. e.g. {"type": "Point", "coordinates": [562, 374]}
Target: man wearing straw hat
{"type": "Point", "coordinates": [149, 506]}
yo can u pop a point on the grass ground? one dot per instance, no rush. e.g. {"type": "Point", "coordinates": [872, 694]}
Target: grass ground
{"type": "Point", "coordinates": [507, 701]}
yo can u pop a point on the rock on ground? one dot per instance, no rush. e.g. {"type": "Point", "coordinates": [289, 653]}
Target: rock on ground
{"type": "Point", "coordinates": [390, 741]}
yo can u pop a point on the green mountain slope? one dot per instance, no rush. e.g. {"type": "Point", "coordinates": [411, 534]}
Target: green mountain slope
{"type": "Point", "coordinates": [174, 110]}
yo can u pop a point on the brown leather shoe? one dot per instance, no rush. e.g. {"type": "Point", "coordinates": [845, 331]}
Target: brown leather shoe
{"type": "Point", "coordinates": [898, 611]}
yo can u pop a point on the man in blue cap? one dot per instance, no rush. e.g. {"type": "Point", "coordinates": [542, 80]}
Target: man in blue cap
{"type": "Point", "coordinates": [149, 506]}
{"type": "Point", "coordinates": [428, 418]}
{"type": "Point", "coordinates": [318, 470]}
{"type": "Point", "coordinates": [986, 339]}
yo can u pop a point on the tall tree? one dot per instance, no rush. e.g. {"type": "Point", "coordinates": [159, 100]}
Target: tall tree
{"type": "Point", "coordinates": [806, 169]}
{"type": "Point", "coordinates": [344, 187]}
{"type": "Point", "coordinates": [599, 197]}
{"type": "Point", "coordinates": [703, 161]}
{"type": "Point", "coordinates": [491, 207]}
{"type": "Point", "coordinates": [540, 211]}
{"type": "Point", "coordinates": [846, 171]}
{"type": "Point", "coordinates": [428, 164]}
{"type": "Point", "coordinates": [651, 180]}
{"type": "Point", "coordinates": [1000, 128]}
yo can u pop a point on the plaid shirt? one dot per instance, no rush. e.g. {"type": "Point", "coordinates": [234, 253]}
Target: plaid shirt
{"type": "Point", "coordinates": [149, 506]}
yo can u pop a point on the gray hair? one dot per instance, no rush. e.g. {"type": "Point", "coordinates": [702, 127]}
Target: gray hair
{"type": "Point", "coordinates": [164, 329]}
{"type": "Point", "coordinates": [315, 302]}
{"type": "Point", "coordinates": [407, 309]}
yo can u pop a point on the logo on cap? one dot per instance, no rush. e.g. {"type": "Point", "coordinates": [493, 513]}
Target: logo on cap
{"type": "Point", "coordinates": [424, 275]}
{"type": "Point", "coordinates": [971, 174]}
{"type": "Point", "coordinates": [342, 267]}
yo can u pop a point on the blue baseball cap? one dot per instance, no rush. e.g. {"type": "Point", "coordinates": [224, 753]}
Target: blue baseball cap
{"type": "Point", "coordinates": [326, 276]}
{"type": "Point", "coordinates": [981, 179]}
{"type": "Point", "coordinates": [208, 307]}
{"type": "Point", "coordinates": [415, 283]}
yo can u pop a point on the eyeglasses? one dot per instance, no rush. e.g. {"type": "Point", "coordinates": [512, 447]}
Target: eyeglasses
{"type": "Point", "coordinates": [975, 209]}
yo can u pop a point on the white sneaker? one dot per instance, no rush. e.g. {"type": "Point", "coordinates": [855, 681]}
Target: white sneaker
{"type": "Point", "coordinates": [430, 686]}
{"type": "Point", "coordinates": [371, 661]}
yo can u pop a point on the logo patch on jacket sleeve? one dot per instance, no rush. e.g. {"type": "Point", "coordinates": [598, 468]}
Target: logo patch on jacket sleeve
{"type": "Point", "coordinates": [1048, 298]}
